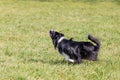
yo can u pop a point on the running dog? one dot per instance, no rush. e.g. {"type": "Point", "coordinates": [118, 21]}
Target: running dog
{"type": "Point", "coordinates": [75, 51]}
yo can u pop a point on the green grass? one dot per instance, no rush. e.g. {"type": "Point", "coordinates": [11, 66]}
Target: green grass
{"type": "Point", "coordinates": [26, 50]}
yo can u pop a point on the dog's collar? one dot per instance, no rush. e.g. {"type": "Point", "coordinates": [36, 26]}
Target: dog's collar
{"type": "Point", "coordinates": [61, 39]}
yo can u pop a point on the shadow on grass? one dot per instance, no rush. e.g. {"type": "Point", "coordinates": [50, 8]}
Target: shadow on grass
{"type": "Point", "coordinates": [51, 62]}
{"type": "Point", "coordinates": [54, 62]}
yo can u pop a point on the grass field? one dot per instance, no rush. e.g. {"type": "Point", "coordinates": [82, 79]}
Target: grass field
{"type": "Point", "coordinates": [26, 50]}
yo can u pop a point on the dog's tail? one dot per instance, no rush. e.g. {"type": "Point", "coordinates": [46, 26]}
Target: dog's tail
{"type": "Point", "coordinates": [96, 41]}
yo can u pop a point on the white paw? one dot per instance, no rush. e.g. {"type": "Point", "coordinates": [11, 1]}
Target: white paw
{"type": "Point", "coordinates": [71, 60]}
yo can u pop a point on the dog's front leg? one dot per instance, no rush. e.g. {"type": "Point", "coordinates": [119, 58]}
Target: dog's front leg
{"type": "Point", "coordinates": [79, 60]}
{"type": "Point", "coordinates": [71, 60]}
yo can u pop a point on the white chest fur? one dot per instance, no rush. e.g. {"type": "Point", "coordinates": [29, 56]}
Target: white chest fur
{"type": "Point", "coordinates": [68, 58]}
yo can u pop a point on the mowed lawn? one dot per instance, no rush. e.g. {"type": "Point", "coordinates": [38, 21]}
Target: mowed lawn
{"type": "Point", "coordinates": [26, 50]}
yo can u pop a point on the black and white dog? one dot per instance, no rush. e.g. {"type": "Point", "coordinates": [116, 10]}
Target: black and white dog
{"type": "Point", "coordinates": [75, 51]}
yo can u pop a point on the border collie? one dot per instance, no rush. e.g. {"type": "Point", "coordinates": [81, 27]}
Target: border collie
{"type": "Point", "coordinates": [75, 51]}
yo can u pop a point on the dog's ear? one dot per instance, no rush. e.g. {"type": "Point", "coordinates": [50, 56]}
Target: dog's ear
{"type": "Point", "coordinates": [62, 34]}
{"type": "Point", "coordinates": [71, 39]}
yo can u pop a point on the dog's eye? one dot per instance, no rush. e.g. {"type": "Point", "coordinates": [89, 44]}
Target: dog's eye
{"type": "Point", "coordinates": [55, 37]}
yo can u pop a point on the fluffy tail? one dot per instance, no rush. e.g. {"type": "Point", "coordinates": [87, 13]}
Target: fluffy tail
{"type": "Point", "coordinates": [96, 41]}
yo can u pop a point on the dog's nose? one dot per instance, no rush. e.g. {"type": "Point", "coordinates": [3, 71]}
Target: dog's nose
{"type": "Point", "coordinates": [51, 30]}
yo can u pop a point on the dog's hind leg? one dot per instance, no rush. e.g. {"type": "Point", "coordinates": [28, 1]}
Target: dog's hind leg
{"type": "Point", "coordinates": [93, 56]}
{"type": "Point", "coordinates": [78, 56]}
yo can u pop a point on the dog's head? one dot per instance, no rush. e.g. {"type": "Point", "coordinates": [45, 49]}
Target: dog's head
{"type": "Point", "coordinates": [55, 36]}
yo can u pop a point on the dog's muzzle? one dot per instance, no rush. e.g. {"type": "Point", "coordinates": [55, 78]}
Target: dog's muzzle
{"type": "Point", "coordinates": [51, 32]}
